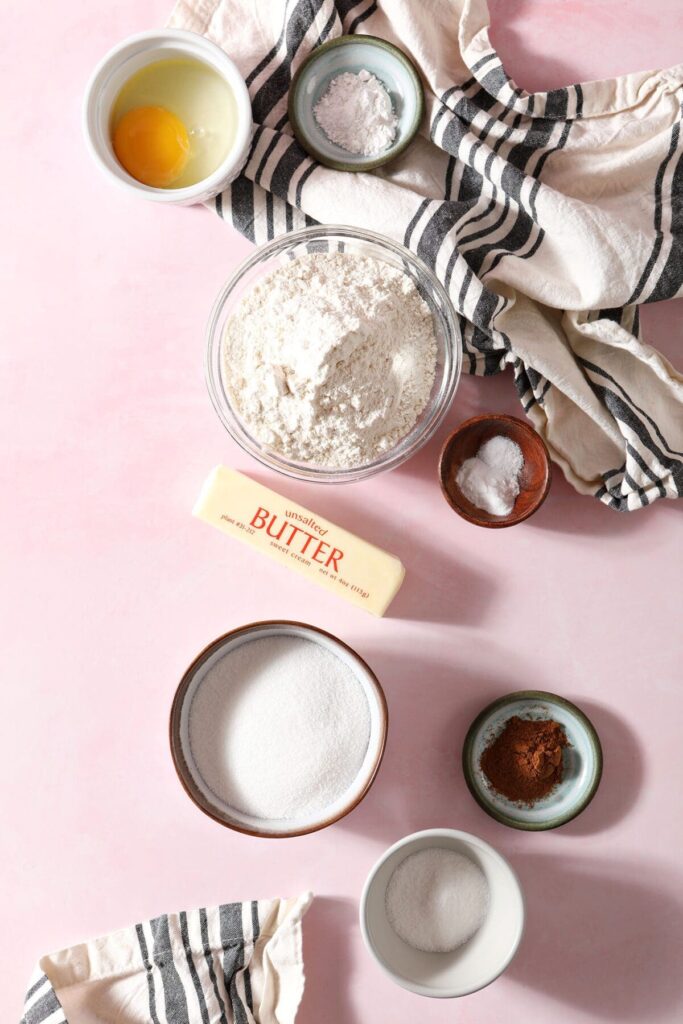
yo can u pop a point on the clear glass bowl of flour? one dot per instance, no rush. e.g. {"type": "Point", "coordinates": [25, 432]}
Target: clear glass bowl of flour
{"type": "Point", "coordinates": [333, 239]}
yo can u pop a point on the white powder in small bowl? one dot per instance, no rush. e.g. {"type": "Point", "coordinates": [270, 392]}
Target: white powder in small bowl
{"type": "Point", "coordinates": [279, 728]}
{"type": "Point", "coordinates": [436, 900]}
{"type": "Point", "coordinates": [356, 113]}
{"type": "Point", "coordinates": [491, 479]}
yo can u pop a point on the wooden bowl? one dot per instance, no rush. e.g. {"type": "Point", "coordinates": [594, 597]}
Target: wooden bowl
{"type": "Point", "coordinates": [534, 479]}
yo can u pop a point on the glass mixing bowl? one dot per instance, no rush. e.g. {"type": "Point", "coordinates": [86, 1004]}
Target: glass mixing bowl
{"type": "Point", "coordinates": [268, 258]}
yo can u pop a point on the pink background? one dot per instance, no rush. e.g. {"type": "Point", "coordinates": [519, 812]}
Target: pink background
{"type": "Point", "coordinates": [111, 588]}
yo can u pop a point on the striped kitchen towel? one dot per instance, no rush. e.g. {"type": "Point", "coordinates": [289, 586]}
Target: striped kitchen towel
{"type": "Point", "coordinates": [547, 216]}
{"type": "Point", "coordinates": [240, 963]}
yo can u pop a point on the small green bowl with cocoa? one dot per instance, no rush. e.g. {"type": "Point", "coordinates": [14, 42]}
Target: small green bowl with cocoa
{"type": "Point", "coordinates": [576, 779]}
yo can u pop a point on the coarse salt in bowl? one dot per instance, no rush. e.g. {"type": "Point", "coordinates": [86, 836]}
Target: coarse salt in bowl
{"type": "Point", "coordinates": [184, 739]}
{"type": "Point", "coordinates": [280, 252]}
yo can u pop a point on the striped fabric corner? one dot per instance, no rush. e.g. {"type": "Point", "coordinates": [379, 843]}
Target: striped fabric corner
{"type": "Point", "coordinates": [237, 963]}
{"type": "Point", "coordinates": [41, 1005]}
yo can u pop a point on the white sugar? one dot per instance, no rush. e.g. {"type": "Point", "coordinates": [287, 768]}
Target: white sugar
{"type": "Point", "coordinates": [279, 728]}
{"type": "Point", "coordinates": [491, 479]}
{"type": "Point", "coordinates": [436, 900]}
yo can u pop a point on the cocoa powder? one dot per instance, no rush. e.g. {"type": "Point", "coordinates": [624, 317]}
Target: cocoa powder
{"type": "Point", "coordinates": [524, 763]}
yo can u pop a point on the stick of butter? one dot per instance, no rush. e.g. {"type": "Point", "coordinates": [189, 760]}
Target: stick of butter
{"type": "Point", "coordinates": [324, 553]}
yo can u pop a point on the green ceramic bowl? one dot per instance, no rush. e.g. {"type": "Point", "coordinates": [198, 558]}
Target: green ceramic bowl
{"type": "Point", "coordinates": [391, 66]}
{"type": "Point", "coordinates": [582, 761]}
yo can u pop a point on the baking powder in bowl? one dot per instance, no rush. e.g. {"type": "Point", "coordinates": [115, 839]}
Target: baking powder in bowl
{"type": "Point", "coordinates": [279, 728]}
{"type": "Point", "coordinates": [490, 480]}
{"type": "Point", "coordinates": [356, 113]}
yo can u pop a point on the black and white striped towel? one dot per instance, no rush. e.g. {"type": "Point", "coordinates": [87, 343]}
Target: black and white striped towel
{"type": "Point", "coordinates": [548, 217]}
{"type": "Point", "coordinates": [239, 963]}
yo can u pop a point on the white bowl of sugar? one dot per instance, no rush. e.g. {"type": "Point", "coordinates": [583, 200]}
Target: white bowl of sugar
{"type": "Point", "coordinates": [442, 913]}
{"type": "Point", "coordinates": [278, 729]}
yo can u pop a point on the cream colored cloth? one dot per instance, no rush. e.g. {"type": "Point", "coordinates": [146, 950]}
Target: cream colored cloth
{"type": "Point", "coordinates": [548, 217]}
{"type": "Point", "coordinates": [239, 963]}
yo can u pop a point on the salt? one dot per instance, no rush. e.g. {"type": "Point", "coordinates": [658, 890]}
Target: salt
{"type": "Point", "coordinates": [436, 900]}
{"type": "Point", "coordinates": [491, 479]}
{"type": "Point", "coordinates": [279, 728]}
{"type": "Point", "coordinates": [356, 113]}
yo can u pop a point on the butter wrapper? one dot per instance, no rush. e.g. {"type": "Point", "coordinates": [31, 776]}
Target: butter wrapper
{"type": "Point", "coordinates": [325, 553]}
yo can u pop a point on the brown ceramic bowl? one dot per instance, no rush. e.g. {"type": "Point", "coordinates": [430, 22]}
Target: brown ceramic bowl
{"type": "Point", "coordinates": [211, 804]}
{"type": "Point", "coordinates": [465, 442]}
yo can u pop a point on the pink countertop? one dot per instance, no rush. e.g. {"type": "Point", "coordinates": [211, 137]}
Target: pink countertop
{"type": "Point", "coordinates": [110, 589]}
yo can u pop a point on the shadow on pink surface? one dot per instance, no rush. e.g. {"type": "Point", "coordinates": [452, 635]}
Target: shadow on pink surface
{"type": "Point", "coordinates": [602, 937]}
{"type": "Point", "coordinates": [566, 511]}
{"type": "Point", "coordinates": [420, 784]}
{"type": "Point", "coordinates": [329, 927]}
{"type": "Point", "coordinates": [622, 776]}
{"type": "Point", "coordinates": [427, 594]}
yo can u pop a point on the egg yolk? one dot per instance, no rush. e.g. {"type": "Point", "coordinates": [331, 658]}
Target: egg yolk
{"type": "Point", "coordinates": [152, 145]}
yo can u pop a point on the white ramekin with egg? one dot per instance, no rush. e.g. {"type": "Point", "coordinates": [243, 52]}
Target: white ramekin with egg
{"type": "Point", "coordinates": [167, 116]}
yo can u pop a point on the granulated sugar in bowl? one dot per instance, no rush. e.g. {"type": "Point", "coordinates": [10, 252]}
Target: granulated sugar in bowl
{"type": "Point", "coordinates": [436, 899]}
{"type": "Point", "coordinates": [442, 913]}
{"type": "Point", "coordinates": [333, 354]}
{"type": "Point", "coordinates": [278, 729]}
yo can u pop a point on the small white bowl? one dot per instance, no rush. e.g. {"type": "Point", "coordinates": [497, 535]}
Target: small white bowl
{"type": "Point", "coordinates": [473, 965]}
{"type": "Point", "coordinates": [113, 72]}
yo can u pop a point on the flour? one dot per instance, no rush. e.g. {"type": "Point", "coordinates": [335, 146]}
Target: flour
{"type": "Point", "coordinates": [356, 114]}
{"type": "Point", "coordinates": [331, 359]}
